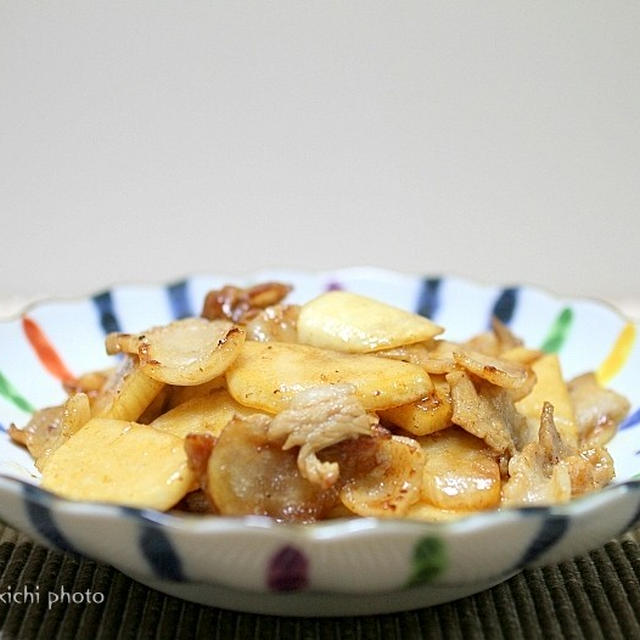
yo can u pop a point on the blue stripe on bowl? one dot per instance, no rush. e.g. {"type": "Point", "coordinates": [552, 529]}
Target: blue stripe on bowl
{"type": "Point", "coordinates": [42, 519]}
{"type": "Point", "coordinates": [429, 297]}
{"type": "Point", "coordinates": [157, 549]}
{"type": "Point", "coordinates": [631, 420]}
{"type": "Point", "coordinates": [178, 293]}
{"type": "Point", "coordinates": [106, 312]}
{"type": "Point", "coordinates": [552, 531]}
{"type": "Point", "coordinates": [505, 305]}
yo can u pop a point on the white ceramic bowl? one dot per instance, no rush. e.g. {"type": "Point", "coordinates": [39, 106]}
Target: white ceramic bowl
{"type": "Point", "coordinates": [349, 567]}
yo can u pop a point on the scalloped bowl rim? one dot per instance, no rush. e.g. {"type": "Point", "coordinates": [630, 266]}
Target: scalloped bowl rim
{"type": "Point", "coordinates": [321, 530]}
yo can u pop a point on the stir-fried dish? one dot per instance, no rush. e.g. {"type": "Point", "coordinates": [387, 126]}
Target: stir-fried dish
{"type": "Point", "coordinates": [344, 406]}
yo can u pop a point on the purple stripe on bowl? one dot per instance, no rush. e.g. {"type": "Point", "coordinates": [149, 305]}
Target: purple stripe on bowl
{"type": "Point", "coordinates": [288, 570]}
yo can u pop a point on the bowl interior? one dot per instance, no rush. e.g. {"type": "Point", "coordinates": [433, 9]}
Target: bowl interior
{"type": "Point", "coordinates": [56, 339]}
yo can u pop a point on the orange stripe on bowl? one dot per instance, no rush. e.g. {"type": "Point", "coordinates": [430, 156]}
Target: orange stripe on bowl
{"type": "Point", "coordinates": [45, 351]}
{"type": "Point", "coordinates": [618, 356]}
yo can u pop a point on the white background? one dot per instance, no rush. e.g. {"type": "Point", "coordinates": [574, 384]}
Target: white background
{"type": "Point", "coordinates": [143, 141]}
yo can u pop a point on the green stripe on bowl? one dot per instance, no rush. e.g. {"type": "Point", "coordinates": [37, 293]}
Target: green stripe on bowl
{"type": "Point", "coordinates": [11, 393]}
{"type": "Point", "coordinates": [558, 332]}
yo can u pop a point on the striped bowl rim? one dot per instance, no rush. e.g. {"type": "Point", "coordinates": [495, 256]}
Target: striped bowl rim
{"type": "Point", "coordinates": [331, 529]}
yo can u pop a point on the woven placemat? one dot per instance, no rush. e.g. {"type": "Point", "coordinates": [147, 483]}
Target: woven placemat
{"type": "Point", "coordinates": [593, 596]}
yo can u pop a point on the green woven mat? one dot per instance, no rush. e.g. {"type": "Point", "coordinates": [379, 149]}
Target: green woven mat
{"type": "Point", "coordinates": [595, 596]}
